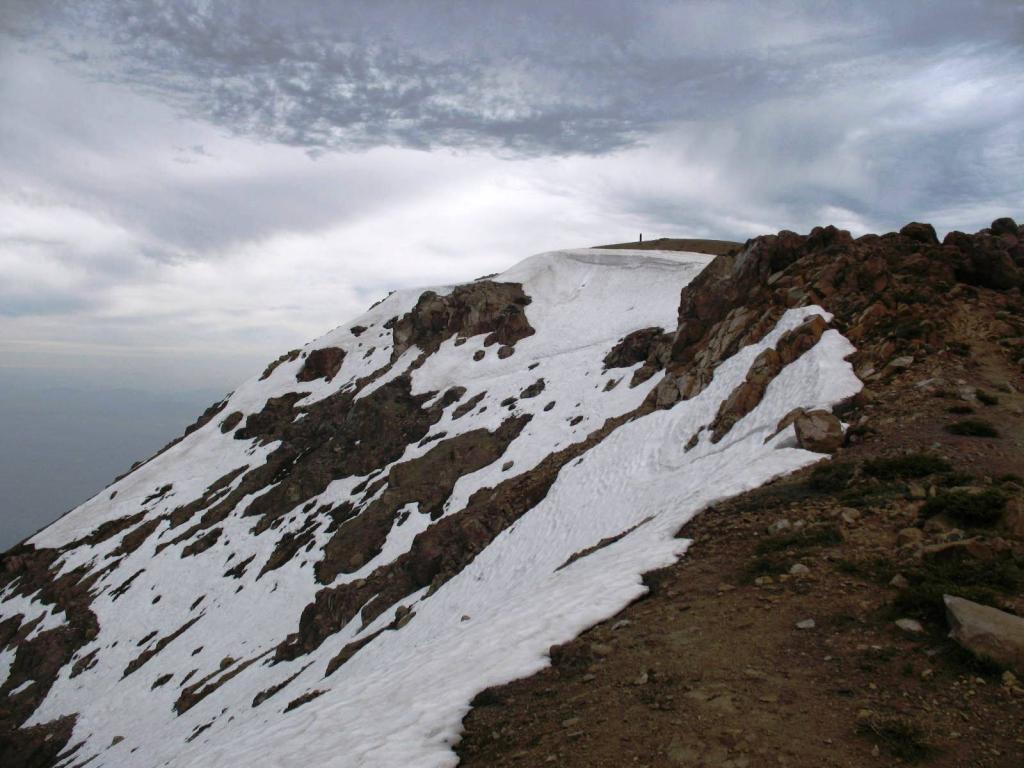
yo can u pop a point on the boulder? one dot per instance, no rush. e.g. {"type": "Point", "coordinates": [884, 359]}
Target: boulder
{"type": "Point", "coordinates": [818, 431]}
{"type": "Point", "coordinates": [923, 233]}
{"type": "Point", "coordinates": [986, 632]}
{"type": "Point", "coordinates": [1004, 226]}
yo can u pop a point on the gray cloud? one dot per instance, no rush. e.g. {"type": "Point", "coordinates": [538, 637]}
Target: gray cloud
{"type": "Point", "coordinates": [524, 78]}
{"type": "Point", "coordinates": [189, 176]}
{"type": "Point", "coordinates": [189, 188]}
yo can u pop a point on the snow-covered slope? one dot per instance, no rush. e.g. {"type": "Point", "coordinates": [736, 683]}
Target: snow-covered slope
{"type": "Point", "coordinates": [412, 508]}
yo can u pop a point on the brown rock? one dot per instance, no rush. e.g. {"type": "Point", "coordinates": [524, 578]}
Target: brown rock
{"type": "Point", "coordinates": [986, 632]}
{"type": "Point", "coordinates": [322, 363]}
{"type": "Point", "coordinates": [818, 431]}
{"type": "Point", "coordinates": [1004, 226]}
{"type": "Point", "coordinates": [923, 233]}
{"type": "Point", "coordinates": [497, 309]}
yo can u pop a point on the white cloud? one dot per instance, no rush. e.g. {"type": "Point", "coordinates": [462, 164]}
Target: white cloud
{"type": "Point", "coordinates": [180, 241]}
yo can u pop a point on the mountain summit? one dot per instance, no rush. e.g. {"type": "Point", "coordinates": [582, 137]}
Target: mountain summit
{"type": "Point", "coordinates": [334, 560]}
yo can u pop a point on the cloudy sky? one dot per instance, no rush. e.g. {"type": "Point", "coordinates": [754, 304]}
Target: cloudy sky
{"type": "Point", "coordinates": [189, 188]}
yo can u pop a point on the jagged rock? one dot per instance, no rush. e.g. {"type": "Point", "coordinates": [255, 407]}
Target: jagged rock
{"type": "Point", "coordinates": [231, 421]}
{"type": "Point", "coordinates": [987, 632]}
{"type": "Point", "coordinates": [747, 396]}
{"type": "Point", "coordinates": [923, 233]}
{"type": "Point", "coordinates": [497, 309]}
{"type": "Point", "coordinates": [1004, 226]}
{"type": "Point", "coordinates": [322, 363]}
{"type": "Point", "coordinates": [636, 347]}
{"type": "Point", "coordinates": [666, 393]}
{"type": "Point", "coordinates": [818, 431]}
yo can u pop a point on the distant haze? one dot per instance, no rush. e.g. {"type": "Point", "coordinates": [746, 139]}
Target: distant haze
{"type": "Point", "coordinates": [59, 445]}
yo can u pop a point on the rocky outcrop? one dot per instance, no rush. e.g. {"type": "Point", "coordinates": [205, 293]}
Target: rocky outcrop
{"type": "Point", "coordinates": [766, 366]}
{"type": "Point", "coordinates": [497, 309]}
{"type": "Point", "coordinates": [321, 364]}
{"type": "Point", "coordinates": [650, 346]}
{"type": "Point", "coordinates": [886, 292]}
{"type": "Point", "coordinates": [987, 632]}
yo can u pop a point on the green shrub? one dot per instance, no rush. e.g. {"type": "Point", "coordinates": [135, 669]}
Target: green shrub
{"type": "Point", "coordinates": [811, 536]}
{"type": "Point", "coordinates": [912, 465]}
{"type": "Point", "coordinates": [972, 428]}
{"type": "Point", "coordinates": [967, 508]}
{"type": "Point", "coordinates": [956, 478]}
{"type": "Point", "coordinates": [960, 410]}
{"type": "Point", "coordinates": [978, 581]}
{"type": "Point", "coordinates": [830, 477]}
{"type": "Point", "coordinates": [871, 494]}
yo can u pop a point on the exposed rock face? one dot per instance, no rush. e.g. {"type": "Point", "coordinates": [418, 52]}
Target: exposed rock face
{"type": "Point", "coordinates": [496, 309]}
{"type": "Point", "coordinates": [987, 632]}
{"type": "Point", "coordinates": [885, 291]}
{"type": "Point", "coordinates": [650, 346]}
{"type": "Point", "coordinates": [923, 233]}
{"type": "Point", "coordinates": [818, 431]}
{"type": "Point", "coordinates": [321, 364]}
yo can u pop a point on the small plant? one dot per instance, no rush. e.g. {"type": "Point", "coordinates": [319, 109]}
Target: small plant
{"type": "Point", "coordinates": [980, 582]}
{"type": "Point", "coordinates": [968, 508]}
{"type": "Point", "coordinates": [972, 428]}
{"type": "Point", "coordinates": [960, 410]}
{"type": "Point", "coordinates": [912, 465]}
{"type": "Point", "coordinates": [985, 398]}
{"type": "Point", "coordinates": [952, 479]}
{"type": "Point", "coordinates": [830, 477]}
{"type": "Point", "coordinates": [866, 495]}
{"type": "Point", "coordinates": [1010, 477]}
{"type": "Point", "coordinates": [878, 569]}
{"type": "Point", "coordinates": [902, 737]}
{"type": "Point", "coordinates": [813, 536]}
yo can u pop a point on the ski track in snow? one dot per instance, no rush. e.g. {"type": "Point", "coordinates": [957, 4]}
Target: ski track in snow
{"type": "Point", "coordinates": [401, 699]}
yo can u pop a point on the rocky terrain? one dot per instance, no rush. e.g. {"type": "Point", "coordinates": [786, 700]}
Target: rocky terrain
{"type": "Point", "coordinates": [806, 624]}
{"type": "Point", "coordinates": [435, 499]}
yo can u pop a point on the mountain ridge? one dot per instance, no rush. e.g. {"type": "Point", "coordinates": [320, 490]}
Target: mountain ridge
{"type": "Point", "coordinates": [333, 452]}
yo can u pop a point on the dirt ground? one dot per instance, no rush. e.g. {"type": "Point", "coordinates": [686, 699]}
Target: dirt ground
{"type": "Point", "coordinates": [712, 667]}
{"type": "Point", "coordinates": [713, 247]}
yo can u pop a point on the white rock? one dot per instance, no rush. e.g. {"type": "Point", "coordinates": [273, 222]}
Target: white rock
{"type": "Point", "coordinates": [910, 625]}
{"type": "Point", "coordinates": [986, 632]}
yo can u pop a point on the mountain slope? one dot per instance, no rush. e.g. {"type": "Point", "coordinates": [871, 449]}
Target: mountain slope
{"type": "Point", "coordinates": [416, 506]}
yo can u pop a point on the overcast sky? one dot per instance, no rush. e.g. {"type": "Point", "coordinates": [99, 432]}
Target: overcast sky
{"type": "Point", "coordinates": [189, 188]}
